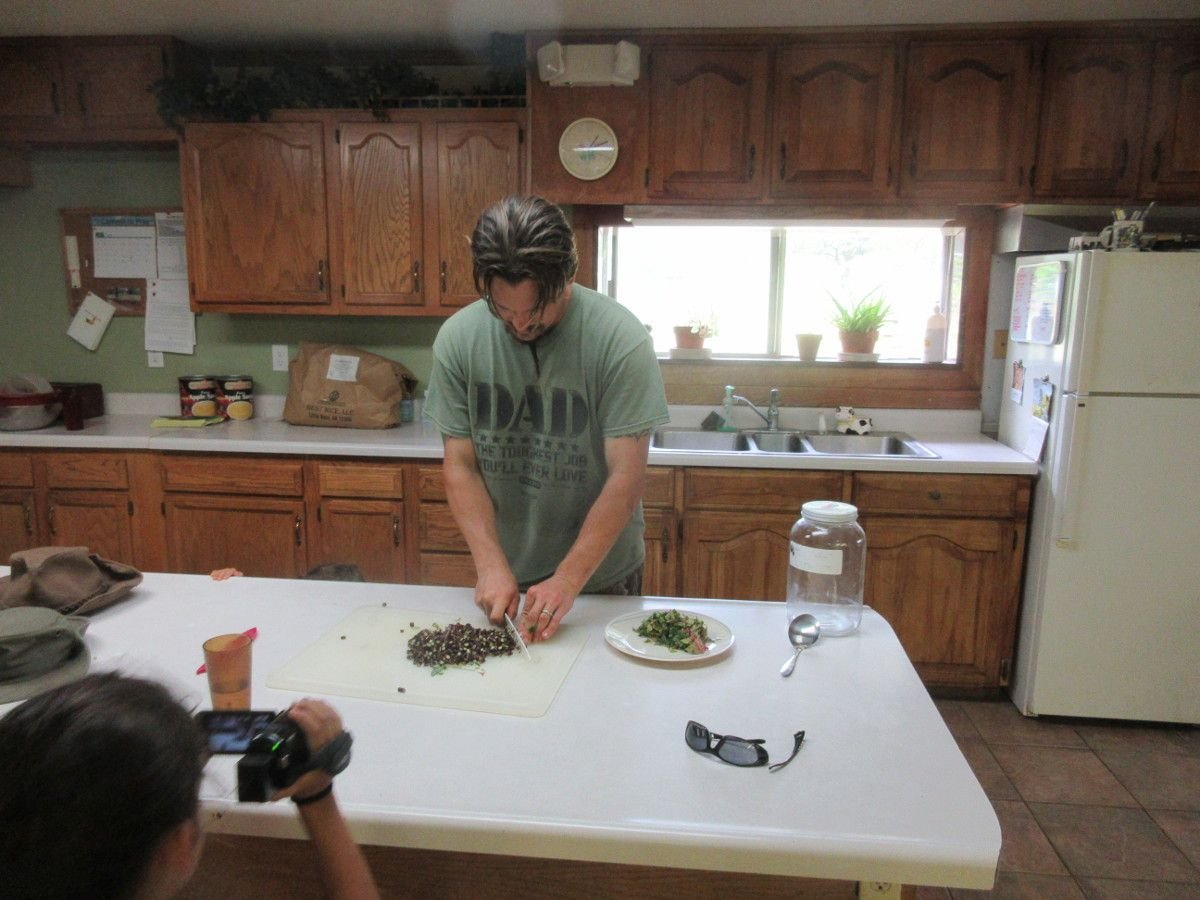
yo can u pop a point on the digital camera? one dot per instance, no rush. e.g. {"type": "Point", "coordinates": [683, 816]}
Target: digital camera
{"type": "Point", "coordinates": [276, 757]}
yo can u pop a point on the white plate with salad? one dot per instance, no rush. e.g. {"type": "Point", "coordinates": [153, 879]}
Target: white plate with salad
{"type": "Point", "coordinates": [669, 635]}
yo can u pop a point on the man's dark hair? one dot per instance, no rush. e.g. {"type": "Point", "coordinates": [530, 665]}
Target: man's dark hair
{"type": "Point", "coordinates": [520, 238]}
{"type": "Point", "coordinates": [93, 775]}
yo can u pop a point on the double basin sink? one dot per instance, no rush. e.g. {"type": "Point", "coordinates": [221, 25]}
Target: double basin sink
{"type": "Point", "coordinates": [876, 444]}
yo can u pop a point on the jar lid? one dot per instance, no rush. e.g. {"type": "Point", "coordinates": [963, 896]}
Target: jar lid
{"type": "Point", "coordinates": [829, 511]}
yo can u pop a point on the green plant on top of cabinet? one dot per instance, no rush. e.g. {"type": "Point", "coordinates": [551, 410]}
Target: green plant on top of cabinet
{"type": "Point", "coordinates": [708, 128]}
{"type": "Point", "coordinates": [1093, 117]}
{"type": "Point", "coordinates": [967, 112]}
{"type": "Point", "coordinates": [833, 119]}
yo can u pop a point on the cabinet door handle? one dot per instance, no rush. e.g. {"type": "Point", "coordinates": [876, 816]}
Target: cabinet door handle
{"type": "Point", "coordinates": [912, 160]}
{"type": "Point", "coordinates": [783, 162]}
{"type": "Point", "coordinates": [417, 277]}
{"type": "Point", "coordinates": [666, 543]}
{"type": "Point", "coordinates": [1157, 160]}
{"type": "Point", "coordinates": [296, 528]}
{"type": "Point", "coordinates": [320, 274]}
{"type": "Point", "coordinates": [1124, 158]}
{"type": "Point", "coordinates": [54, 97]}
{"type": "Point", "coordinates": [82, 99]}
{"type": "Point", "coordinates": [443, 276]}
{"type": "Point", "coordinates": [28, 520]}
{"type": "Point", "coordinates": [750, 167]}
{"type": "Point", "coordinates": [50, 519]}
{"type": "Point", "coordinates": [935, 495]}
{"type": "Point", "coordinates": [395, 531]}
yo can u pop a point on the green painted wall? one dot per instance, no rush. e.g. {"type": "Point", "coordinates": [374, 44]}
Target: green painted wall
{"type": "Point", "coordinates": [33, 296]}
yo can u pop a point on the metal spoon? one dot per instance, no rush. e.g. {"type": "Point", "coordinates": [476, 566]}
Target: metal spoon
{"type": "Point", "coordinates": [803, 632]}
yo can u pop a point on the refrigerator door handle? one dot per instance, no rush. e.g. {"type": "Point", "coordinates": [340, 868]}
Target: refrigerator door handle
{"type": "Point", "coordinates": [1071, 453]}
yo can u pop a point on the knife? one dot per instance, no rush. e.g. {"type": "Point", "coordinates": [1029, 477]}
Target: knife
{"type": "Point", "coordinates": [516, 636]}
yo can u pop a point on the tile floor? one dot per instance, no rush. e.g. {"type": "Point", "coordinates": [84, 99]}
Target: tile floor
{"type": "Point", "coordinates": [1102, 810]}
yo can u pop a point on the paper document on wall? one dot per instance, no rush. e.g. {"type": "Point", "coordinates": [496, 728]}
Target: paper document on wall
{"type": "Point", "coordinates": [124, 247]}
{"type": "Point", "coordinates": [91, 321]}
{"type": "Point", "coordinates": [170, 323]}
{"type": "Point", "coordinates": [171, 250]}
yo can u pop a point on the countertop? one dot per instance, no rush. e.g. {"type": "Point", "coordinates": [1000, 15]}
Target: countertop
{"type": "Point", "coordinates": [879, 791]}
{"type": "Point", "coordinates": [960, 451]}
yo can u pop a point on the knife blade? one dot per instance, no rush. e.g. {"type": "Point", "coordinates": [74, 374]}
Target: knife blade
{"type": "Point", "coordinates": [516, 636]}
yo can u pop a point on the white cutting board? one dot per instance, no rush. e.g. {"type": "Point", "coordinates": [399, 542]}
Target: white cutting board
{"type": "Point", "coordinates": [365, 655]}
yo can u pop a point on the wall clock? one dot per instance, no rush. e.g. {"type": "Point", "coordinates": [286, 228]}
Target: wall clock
{"type": "Point", "coordinates": [588, 149]}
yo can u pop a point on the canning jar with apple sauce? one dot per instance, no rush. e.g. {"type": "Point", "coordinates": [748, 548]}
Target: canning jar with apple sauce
{"type": "Point", "coordinates": [827, 559]}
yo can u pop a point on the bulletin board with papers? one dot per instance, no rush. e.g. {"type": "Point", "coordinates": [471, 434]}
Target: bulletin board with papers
{"type": "Point", "coordinates": [119, 254]}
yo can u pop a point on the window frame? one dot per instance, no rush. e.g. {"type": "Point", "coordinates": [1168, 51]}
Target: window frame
{"type": "Point", "coordinates": [955, 385]}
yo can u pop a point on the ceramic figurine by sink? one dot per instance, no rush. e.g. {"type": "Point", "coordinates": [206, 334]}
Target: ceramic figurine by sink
{"type": "Point", "coordinates": [849, 422]}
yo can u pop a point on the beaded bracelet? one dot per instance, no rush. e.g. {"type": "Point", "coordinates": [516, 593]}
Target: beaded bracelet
{"type": "Point", "coordinates": [313, 798]}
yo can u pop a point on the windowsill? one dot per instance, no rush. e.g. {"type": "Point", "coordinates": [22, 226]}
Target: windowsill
{"type": "Point", "coordinates": [795, 361]}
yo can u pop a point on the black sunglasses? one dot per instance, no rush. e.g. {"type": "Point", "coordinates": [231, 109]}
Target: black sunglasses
{"type": "Point", "coordinates": [735, 750]}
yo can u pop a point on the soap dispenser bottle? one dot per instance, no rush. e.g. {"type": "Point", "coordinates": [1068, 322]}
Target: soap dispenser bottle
{"type": "Point", "coordinates": [727, 410]}
{"type": "Point", "coordinates": [935, 337]}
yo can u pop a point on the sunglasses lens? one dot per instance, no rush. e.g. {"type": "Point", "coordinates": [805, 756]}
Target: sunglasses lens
{"type": "Point", "coordinates": [696, 736]}
{"type": "Point", "coordinates": [738, 753]}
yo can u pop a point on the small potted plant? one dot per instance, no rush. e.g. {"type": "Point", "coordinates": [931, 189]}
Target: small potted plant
{"type": "Point", "coordinates": [692, 335]}
{"type": "Point", "coordinates": [859, 323]}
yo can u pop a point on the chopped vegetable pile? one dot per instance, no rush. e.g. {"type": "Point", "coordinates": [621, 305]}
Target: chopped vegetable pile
{"type": "Point", "coordinates": [456, 645]}
{"type": "Point", "coordinates": [675, 631]}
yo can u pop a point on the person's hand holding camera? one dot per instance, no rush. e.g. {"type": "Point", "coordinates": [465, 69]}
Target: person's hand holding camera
{"type": "Point", "coordinates": [320, 724]}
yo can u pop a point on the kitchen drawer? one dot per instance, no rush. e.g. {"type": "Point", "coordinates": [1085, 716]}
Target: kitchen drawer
{"type": "Point", "coordinates": [453, 569]}
{"type": "Point", "coordinates": [343, 479]}
{"type": "Point", "coordinates": [660, 487]}
{"type": "Point", "coordinates": [964, 495]}
{"type": "Point", "coordinates": [758, 489]}
{"type": "Point", "coordinates": [16, 470]}
{"type": "Point", "coordinates": [438, 530]}
{"type": "Point", "coordinates": [431, 485]}
{"type": "Point", "coordinates": [86, 470]}
{"type": "Point", "coordinates": [216, 473]}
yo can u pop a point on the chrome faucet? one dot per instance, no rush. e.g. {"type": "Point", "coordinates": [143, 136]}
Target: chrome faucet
{"type": "Point", "coordinates": [771, 416]}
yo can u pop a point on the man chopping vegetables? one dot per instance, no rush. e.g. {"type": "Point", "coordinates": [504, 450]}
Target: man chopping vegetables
{"type": "Point", "coordinates": [545, 393]}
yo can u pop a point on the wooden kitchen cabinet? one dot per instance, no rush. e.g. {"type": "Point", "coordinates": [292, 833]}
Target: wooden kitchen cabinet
{"type": "Point", "coordinates": [379, 214]}
{"type": "Point", "coordinates": [736, 528]}
{"type": "Point", "coordinates": [833, 120]}
{"type": "Point", "coordinates": [359, 513]}
{"type": "Point", "coordinates": [255, 215]}
{"type": "Point", "coordinates": [944, 558]}
{"type": "Point", "coordinates": [708, 122]}
{"type": "Point", "coordinates": [66, 499]}
{"type": "Point", "coordinates": [967, 113]}
{"type": "Point", "coordinates": [87, 89]}
{"type": "Point", "coordinates": [1093, 117]}
{"type": "Point", "coordinates": [1171, 155]}
{"type": "Point", "coordinates": [478, 163]}
{"type": "Point", "coordinates": [246, 512]}
{"type": "Point", "coordinates": [660, 575]}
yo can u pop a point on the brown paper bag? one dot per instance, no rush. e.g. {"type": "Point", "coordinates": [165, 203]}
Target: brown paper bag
{"type": "Point", "coordinates": [345, 387]}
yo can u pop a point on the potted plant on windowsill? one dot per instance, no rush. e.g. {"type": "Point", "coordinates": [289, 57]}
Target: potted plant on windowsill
{"type": "Point", "coordinates": [859, 323]}
{"type": "Point", "coordinates": [692, 335]}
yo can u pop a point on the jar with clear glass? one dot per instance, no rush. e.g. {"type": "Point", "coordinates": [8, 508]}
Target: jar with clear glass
{"type": "Point", "coordinates": [827, 562]}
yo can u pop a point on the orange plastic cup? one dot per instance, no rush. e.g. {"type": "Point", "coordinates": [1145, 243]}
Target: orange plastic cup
{"type": "Point", "coordinates": [227, 657]}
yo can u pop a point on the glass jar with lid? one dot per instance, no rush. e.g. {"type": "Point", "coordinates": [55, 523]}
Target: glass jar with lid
{"type": "Point", "coordinates": [827, 562]}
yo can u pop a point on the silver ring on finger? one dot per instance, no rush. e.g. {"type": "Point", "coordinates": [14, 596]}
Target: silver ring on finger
{"type": "Point", "coordinates": [546, 613]}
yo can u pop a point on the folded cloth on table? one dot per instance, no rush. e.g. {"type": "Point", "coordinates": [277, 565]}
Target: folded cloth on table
{"type": "Point", "coordinates": [66, 579]}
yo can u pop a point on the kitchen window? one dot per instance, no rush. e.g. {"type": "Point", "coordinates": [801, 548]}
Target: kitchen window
{"type": "Point", "coordinates": [760, 285]}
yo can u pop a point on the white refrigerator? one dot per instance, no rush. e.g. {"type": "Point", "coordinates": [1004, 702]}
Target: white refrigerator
{"type": "Point", "coordinates": [1110, 616]}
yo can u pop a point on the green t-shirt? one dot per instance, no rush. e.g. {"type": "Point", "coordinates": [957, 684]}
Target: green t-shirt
{"type": "Point", "coordinates": [538, 415]}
